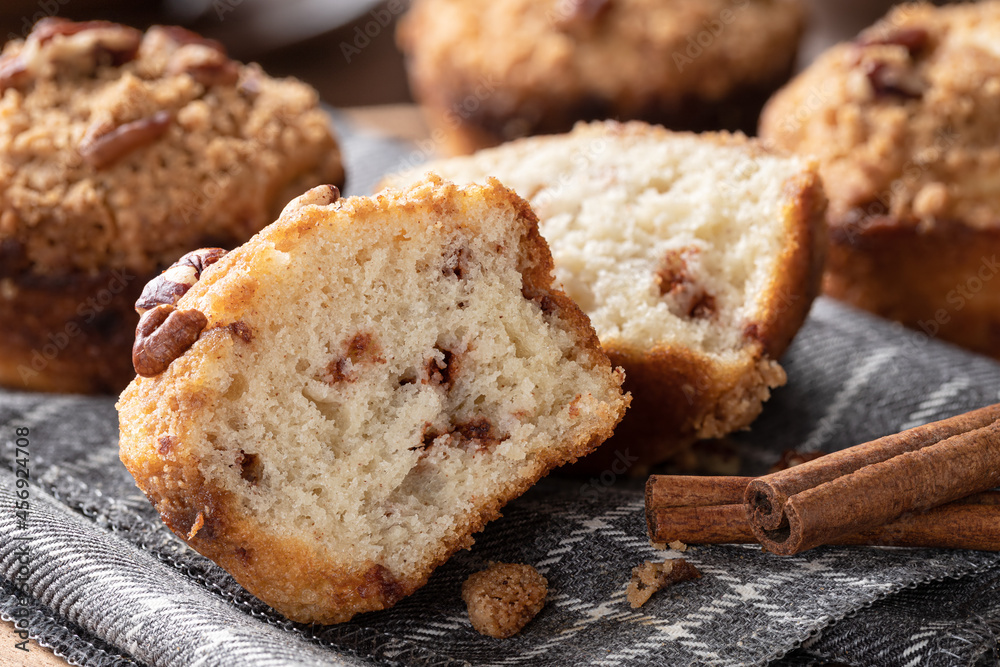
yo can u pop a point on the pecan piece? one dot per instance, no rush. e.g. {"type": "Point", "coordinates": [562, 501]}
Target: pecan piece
{"type": "Point", "coordinates": [249, 86]}
{"type": "Point", "coordinates": [106, 44]}
{"type": "Point", "coordinates": [164, 333]}
{"type": "Point", "coordinates": [51, 26]}
{"type": "Point", "coordinates": [251, 467]}
{"type": "Point", "coordinates": [13, 72]}
{"type": "Point", "coordinates": [440, 373]}
{"type": "Point", "coordinates": [704, 307]}
{"type": "Point", "coordinates": [478, 435]}
{"type": "Point", "coordinates": [168, 287]}
{"type": "Point", "coordinates": [164, 444]}
{"type": "Point", "coordinates": [892, 80]}
{"type": "Point", "coordinates": [183, 36]}
{"type": "Point", "coordinates": [675, 279]}
{"type": "Point", "coordinates": [206, 65]}
{"type": "Point", "coordinates": [457, 262]}
{"type": "Point", "coordinates": [321, 195]}
{"type": "Point", "coordinates": [118, 44]}
{"type": "Point", "coordinates": [475, 436]}
{"type": "Point", "coordinates": [650, 577]}
{"type": "Point", "coordinates": [242, 330]}
{"type": "Point", "coordinates": [360, 349]}
{"type": "Point", "coordinates": [582, 13]}
{"type": "Point", "coordinates": [102, 146]}
{"type": "Point", "coordinates": [544, 301]}
{"type": "Point", "coordinates": [912, 39]}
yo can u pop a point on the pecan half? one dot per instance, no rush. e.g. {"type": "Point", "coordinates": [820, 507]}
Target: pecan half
{"type": "Point", "coordinates": [108, 43]}
{"type": "Point", "coordinates": [168, 287]}
{"type": "Point", "coordinates": [892, 72]}
{"type": "Point", "coordinates": [101, 146]}
{"type": "Point", "coordinates": [164, 334]}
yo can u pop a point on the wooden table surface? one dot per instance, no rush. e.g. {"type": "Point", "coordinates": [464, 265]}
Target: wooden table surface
{"type": "Point", "coordinates": [36, 656]}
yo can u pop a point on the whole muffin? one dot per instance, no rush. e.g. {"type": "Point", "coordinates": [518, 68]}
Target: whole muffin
{"type": "Point", "coordinates": [903, 121]}
{"type": "Point", "coordinates": [119, 152]}
{"type": "Point", "coordinates": [488, 71]}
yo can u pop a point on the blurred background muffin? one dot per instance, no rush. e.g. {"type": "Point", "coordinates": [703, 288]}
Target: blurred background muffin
{"type": "Point", "coordinates": [488, 71]}
{"type": "Point", "coordinates": [344, 49]}
{"type": "Point", "coordinates": [119, 152]}
{"type": "Point", "coordinates": [347, 51]}
{"type": "Point", "coordinates": [903, 119]}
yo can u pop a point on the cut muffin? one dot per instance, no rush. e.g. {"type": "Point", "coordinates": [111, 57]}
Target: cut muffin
{"type": "Point", "coordinates": [373, 380]}
{"type": "Point", "coordinates": [488, 71]}
{"type": "Point", "coordinates": [119, 152]}
{"type": "Point", "coordinates": [903, 122]}
{"type": "Point", "coordinates": [696, 257]}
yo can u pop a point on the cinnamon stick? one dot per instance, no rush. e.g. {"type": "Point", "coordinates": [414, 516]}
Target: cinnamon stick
{"type": "Point", "coordinates": [772, 491]}
{"type": "Point", "coordinates": [864, 487]}
{"type": "Point", "coordinates": [694, 491]}
{"type": "Point", "coordinates": [706, 510]}
{"type": "Point", "coordinates": [716, 524]}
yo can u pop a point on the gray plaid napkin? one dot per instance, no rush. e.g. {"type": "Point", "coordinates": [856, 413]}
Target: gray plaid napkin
{"type": "Point", "coordinates": [92, 572]}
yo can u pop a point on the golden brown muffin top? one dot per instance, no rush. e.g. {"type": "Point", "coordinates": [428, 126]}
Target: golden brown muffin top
{"type": "Point", "coordinates": [903, 118]}
{"type": "Point", "coordinates": [624, 50]}
{"type": "Point", "coordinates": [124, 149]}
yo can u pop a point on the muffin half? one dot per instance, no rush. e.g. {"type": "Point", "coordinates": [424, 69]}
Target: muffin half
{"type": "Point", "coordinates": [696, 257]}
{"type": "Point", "coordinates": [370, 381]}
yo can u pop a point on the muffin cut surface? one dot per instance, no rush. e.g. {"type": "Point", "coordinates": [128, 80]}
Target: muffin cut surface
{"type": "Point", "coordinates": [376, 379]}
{"type": "Point", "coordinates": [695, 256]}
